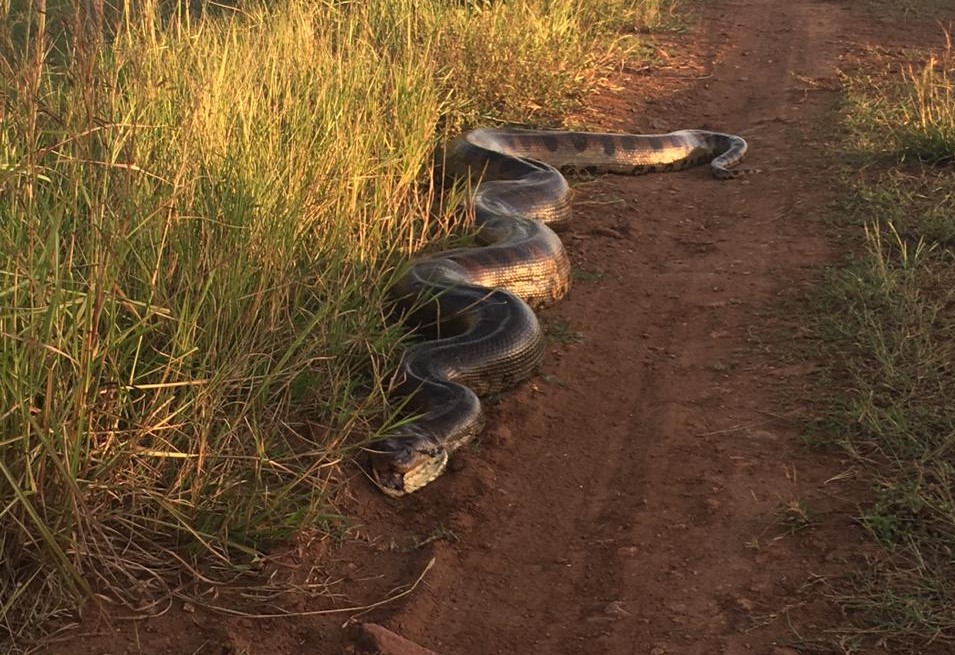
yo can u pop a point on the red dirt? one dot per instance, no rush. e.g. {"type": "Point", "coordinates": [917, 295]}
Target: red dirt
{"type": "Point", "coordinates": [644, 493]}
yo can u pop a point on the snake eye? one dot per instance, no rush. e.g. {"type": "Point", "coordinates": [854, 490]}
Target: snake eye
{"type": "Point", "coordinates": [394, 452]}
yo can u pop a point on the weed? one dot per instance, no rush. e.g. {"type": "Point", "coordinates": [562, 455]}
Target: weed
{"type": "Point", "coordinates": [795, 515]}
{"type": "Point", "coordinates": [910, 115]}
{"type": "Point", "coordinates": [560, 331]}
{"type": "Point", "coordinates": [582, 275]}
{"type": "Point", "coordinates": [887, 319]}
{"type": "Point", "coordinates": [440, 533]}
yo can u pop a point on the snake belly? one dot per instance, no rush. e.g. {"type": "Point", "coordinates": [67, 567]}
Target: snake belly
{"type": "Point", "coordinates": [476, 304]}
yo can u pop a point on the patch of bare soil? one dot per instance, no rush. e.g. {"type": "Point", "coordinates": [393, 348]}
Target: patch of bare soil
{"type": "Point", "coordinates": [649, 492]}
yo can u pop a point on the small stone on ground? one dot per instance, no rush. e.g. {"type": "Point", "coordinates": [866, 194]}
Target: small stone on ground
{"type": "Point", "coordinates": [373, 638]}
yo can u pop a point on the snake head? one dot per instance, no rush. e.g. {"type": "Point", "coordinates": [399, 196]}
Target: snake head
{"type": "Point", "coordinates": [405, 461]}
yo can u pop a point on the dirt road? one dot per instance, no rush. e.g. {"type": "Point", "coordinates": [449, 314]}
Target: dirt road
{"type": "Point", "coordinates": [649, 492]}
{"type": "Point", "coordinates": [643, 495]}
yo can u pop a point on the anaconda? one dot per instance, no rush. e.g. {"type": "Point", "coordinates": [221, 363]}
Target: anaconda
{"type": "Point", "coordinates": [477, 303]}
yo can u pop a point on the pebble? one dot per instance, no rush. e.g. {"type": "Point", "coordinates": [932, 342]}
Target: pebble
{"type": "Point", "coordinates": [376, 639]}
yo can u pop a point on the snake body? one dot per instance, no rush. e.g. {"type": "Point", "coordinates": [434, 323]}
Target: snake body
{"type": "Point", "coordinates": [476, 304]}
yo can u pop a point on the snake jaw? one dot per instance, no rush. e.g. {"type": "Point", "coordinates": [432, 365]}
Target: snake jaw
{"type": "Point", "coordinates": [391, 483]}
{"type": "Point", "coordinates": [401, 465]}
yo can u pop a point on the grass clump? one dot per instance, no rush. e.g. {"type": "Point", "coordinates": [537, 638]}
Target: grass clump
{"type": "Point", "coordinates": [200, 211]}
{"type": "Point", "coordinates": [910, 115]}
{"type": "Point", "coordinates": [914, 10]}
{"type": "Point", "coordinates": [888, 320]}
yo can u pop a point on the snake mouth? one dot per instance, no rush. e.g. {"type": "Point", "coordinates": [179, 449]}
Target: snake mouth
{"type": "Point", "coordinates": [390, 481]}
{"type": "Point", "coordinates": [399, 469]}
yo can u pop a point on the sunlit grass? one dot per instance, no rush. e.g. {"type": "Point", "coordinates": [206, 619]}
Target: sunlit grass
{"type": "Point", "coordinates": [200, 213]}
{"type": "Point", "coordinates": [910, 114]}
{"type": "Point", "coordinates": [888, 323]}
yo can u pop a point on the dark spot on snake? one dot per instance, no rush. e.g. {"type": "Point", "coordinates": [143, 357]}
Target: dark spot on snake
{"type": "Point", "coordinates": [609, 147]}
{"type": "Point", "coordinates": [628, 142]}
{"type": "Point", "coordinates": [550, 142]}
{"type": "Point", "coordinates": [580, 141]}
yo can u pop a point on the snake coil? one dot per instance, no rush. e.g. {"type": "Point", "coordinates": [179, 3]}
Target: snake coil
{"type": "Point", "coordinates": [479, 301]}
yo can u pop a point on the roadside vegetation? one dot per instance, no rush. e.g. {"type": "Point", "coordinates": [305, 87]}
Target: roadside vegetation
{"type": "Point", "coordinates": [888, 325]}
{"type": "Point", "coordinates": [200, 211]}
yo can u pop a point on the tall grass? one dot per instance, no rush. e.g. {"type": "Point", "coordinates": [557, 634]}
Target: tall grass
{"type": "Point", "coordinates": [200, 212]}
{"type": "Point", "coordinates": [889, 322]}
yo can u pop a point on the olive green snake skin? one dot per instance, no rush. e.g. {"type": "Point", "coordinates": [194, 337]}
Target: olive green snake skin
{"type": "Point", "coordinates": [475, 304]}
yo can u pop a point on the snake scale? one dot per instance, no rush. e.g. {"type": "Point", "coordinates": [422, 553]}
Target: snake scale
{"type": "Point", "coordinates": [476, 304]}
